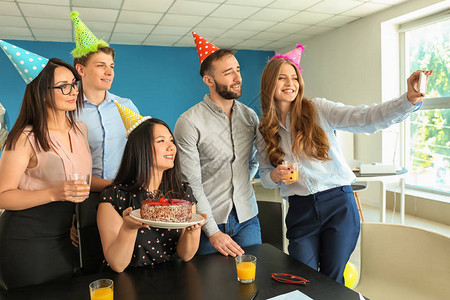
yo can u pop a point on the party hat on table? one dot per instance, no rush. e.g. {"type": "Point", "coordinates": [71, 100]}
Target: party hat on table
{"type": "Point", "coordinates": [86, 42]}
{"type": "Point", "coordinates": [130, 119]}
{"type": "Point", "coordinates": [204, 48]}
{"type": "Point", "coordinates": [293, 55]}
{"type": "Point", "coordinates": [27, 63]}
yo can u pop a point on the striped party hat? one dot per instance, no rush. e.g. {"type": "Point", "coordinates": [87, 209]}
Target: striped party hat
{"type": "Point", "coordinates": [86, 42]}
{"type": "Point", "coordinates": [204, 48]}
{"type": "Point", "coordinates": [27, 63]}
{"type": "Point", "coordinates": [130, 119]}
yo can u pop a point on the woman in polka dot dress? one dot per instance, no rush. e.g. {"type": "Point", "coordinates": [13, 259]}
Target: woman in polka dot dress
{"type": "Point", "coordinates": [149, 163]}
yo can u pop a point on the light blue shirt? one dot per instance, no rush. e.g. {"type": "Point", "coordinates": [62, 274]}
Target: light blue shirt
{"type": "Point", "coordinates": [316, 176]}
{"type": "Point", "coordinates": [106, 134]}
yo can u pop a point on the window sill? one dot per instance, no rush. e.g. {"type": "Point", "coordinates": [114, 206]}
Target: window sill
{"type": "Point", "coordinates": [421, 194]}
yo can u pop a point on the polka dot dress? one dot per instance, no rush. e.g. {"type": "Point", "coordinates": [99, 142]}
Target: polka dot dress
{"type": "Point", "coordinates": [153, 245]}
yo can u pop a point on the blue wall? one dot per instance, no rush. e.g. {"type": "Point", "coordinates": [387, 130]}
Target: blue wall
{"type": "Point", "coordinates": [162, 81]}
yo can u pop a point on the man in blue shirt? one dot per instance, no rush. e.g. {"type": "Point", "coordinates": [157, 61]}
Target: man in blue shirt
{"type": "Point", "coordinates": [106, 131]}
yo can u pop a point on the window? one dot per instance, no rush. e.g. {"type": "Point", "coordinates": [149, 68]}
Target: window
{"type": "Point", "coordinates": [426, 45]}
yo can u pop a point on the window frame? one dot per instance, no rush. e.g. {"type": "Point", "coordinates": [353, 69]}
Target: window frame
{"type": "Point", "coordinates": [428, 103]}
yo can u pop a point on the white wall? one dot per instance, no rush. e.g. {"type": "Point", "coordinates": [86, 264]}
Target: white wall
{"type": "Point", "coordinates": [346, 65]}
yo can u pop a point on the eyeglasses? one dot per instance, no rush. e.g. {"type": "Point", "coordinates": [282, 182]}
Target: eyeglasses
{"type": "Point", "coordinates": [288, 278]}
{"type": "Point", "coordinates": [66, 89]}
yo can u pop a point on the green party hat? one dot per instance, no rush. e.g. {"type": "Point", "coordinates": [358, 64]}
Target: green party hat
{"type": "Point", "coordinates": [86, 42]}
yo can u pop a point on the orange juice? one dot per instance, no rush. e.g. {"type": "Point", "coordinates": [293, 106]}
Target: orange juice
{"type": "Point", "coordinates": [293, 175]}
{"type": "Point", "coordinates": [246, 270]}
{"type": "Point", "coordinates": [102, 294]}
{"type": "Point", "coordinates": [86, 188]}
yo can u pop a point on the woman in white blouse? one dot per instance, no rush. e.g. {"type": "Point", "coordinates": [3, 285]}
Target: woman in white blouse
{"type": "Point", "coordinates": [323, 220]}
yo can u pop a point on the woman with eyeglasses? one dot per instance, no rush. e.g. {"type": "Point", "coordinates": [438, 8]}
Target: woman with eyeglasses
{"type": "Point", "coordinates": [44, 147]}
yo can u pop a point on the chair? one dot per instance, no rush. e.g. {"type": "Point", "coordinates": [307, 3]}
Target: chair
{"type": "Point", "coordinates": [359, 187]}
{"type": "Point", "coordinates": [403, 262]}
{"type": "Point", "coordinates": [272, 211]}
{"type": "Point", "coordinates": [90, 247]}
{"type": "Point", "coordinates": [270, 221]}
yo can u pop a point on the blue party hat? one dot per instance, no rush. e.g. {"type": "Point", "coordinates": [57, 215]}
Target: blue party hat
{"type": "Point", "coordinates": [27, 63]}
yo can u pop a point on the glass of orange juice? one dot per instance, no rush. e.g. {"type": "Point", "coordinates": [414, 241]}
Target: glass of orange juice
{"type": "Point", "coordinates": [102, 289]}
{"type": "Point", "coordinates": [86, 178]}
{"type": "Point", "coordinates": [246, 268]}
{"type": "Point", "coordinates": [294, 168]}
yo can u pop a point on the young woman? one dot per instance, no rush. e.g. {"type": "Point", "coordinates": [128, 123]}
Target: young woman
{"type": "Point", "coordinates": [44, 147]}
{"type": "Point", "coordinates": [322, 221]}
{"type": "Point", "coordinates": [149, 163]}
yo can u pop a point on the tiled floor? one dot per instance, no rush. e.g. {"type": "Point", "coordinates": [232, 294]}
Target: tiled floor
{"type": "Point", "coordinates": [371, 214]}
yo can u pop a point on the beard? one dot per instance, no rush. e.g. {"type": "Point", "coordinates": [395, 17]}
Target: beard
{"type": "Point", "coordinates": [226, 92]}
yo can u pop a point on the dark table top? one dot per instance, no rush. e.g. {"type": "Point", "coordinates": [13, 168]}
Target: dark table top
{"type": "Point", "coordinates": [204, 277]}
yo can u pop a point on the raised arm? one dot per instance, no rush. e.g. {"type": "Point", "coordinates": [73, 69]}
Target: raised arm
{"type": "Point", "coordinates": [370, 119]}
{"type": "Point", "coordinates": [413, 94]}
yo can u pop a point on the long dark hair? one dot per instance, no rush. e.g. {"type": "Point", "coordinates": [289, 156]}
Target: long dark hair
{"type": "Point", "coordinates": [308, 138]}
{"type": "Point", "coordinates": [136, 168]}
{"type": "Point", "coordinates": [36, 99]}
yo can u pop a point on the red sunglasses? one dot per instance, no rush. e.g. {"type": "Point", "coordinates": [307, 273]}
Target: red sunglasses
{"type": "Point", "coordinates": [288, 278]}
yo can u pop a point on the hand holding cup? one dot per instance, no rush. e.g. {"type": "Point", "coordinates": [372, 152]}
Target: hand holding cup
{"type": "Point", "coordinates": [292, 175]}
{"type": "Point", "coordinates": [80, 186]}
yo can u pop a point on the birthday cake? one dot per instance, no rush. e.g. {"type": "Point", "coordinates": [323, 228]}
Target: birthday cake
{"type": "Point", "coordinates": [166, 210]}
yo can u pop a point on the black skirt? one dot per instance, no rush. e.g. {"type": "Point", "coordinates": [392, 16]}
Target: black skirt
{"type": "Point", "coordinates": [35, 245]}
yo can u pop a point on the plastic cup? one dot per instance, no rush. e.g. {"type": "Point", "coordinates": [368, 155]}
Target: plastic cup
{"type": "Point", "coordinates": [102, 289]}
{"type": "Point", "coordinates": [245, 268]}
{"type": "Point", "coordinates": [87, 183]}
{"type": "Point", "coordinates": [294, 167]}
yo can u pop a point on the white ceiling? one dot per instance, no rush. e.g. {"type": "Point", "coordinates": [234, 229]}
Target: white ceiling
{"type": "Point", "coordinates": [240, 24]}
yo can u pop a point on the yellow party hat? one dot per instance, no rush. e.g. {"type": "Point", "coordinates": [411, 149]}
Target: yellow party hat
{"type": "Point", "coordinates": [130, 119]}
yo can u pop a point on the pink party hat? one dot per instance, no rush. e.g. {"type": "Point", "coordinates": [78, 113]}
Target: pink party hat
{"type": "Point", "coordinates": [204, 48]}
{"type": "Point", "coordinates": [27, 63]}
{"type": "Point", "coordinates": [293, 55]}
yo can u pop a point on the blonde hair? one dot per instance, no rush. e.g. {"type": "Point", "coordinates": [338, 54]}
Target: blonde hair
{"type": "Point", "coordinates": [308, 138]}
